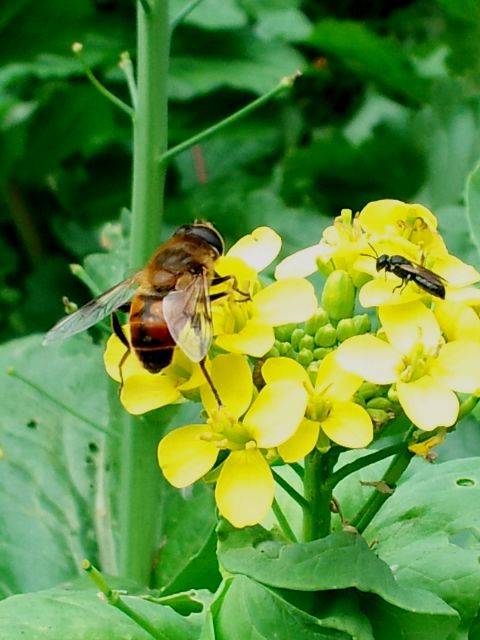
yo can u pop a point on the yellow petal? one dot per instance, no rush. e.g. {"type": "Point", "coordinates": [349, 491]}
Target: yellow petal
{"type": "Point", "coordinates": [184, 457]}
{"type": "Point", "coordinates": [232, 379]}
{"type": "Point", "coordinates": [301, 443]}
{"type": "Point", "coordinates": [408, 324]}
{"type": "Point", "coordinates": [349, 425]}
{"type": "Point", "coordinates": [289, 300]}
{"type": "Point", "coordinates": [255, 339]}
{"type": "Point", "coordinates": [428, 403]}
{"type": "Point", "coordinates": [114, 353]}
{"type": "Point", "coordinates": [382, 216]}
{"type": "Point", "coordinates": [370, 358]}
{"type": "Point", "coordinates": [298, 265]}
{"type": "Point", "coordinates": [146, 391]}
{"type": "Point", "coordinates": [284, 369]}
{"type": "Point", "coordinates": [276, 413]}
{"type": "Point", "coordinates": [383, 290]}
{"type": "Point", "coordinates": [457, 321]}
{"type": "Point", "coordinates": [258, 249]}
{"type": "Point", "coordinates": [245, 488]}
{"type": "Point", "coordinates": [334, 381]}
{"type": "Point", "coordinates": [236, 267]}
{"type": "Point", "coordinates": [456, 272]}
{"type": "Point", "coordinates": [458, 366]}
{"type": "Point", "coordinates": [467, 295]}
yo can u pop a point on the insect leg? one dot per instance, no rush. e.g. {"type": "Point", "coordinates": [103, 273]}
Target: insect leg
{"type": "Point", "coordinates": [118, 331]}
{"type": "Point", "coordinates": [405, 280]}
{"type": "Point", "coordinates": [221, 279]}
{"type": "Point", "coordinates": [209, 380]}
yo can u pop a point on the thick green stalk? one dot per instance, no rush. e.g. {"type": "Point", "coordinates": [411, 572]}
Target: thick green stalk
{"type": "Point", "coordinates": [140, 476]}
{"type": "Point", "coordinates": [318, 494]}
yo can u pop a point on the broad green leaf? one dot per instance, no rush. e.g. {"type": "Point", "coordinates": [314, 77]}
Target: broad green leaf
{"type": "Point", "coordinates": [242, 62]}
{"type": "Point", "coordinates": [473, 207]}
{"type": "Point", "coordinates": [370, 56]}
{"type": "Point", "coordinates": [51, 468]}
{"type": "Point", "coordinates": [447, 132]}
{"type": "Point", "coordinates": [307, 567]}
{"type": "Point", "coordinates": [246, 605]}
{"type": "Point", "coordinates": [211, 14]}
{"type": "Point", "coordinates": [428, 531]}
{"type": "Point", "coordinates": [58, 614]}
{"type": "Point", "coordinates": [188, 555]}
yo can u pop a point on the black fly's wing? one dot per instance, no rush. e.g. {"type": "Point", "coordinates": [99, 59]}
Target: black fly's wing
{"type": "Point", "coordinates": [423, 277]}
{"type": "Point", "coordinates": [188, 316]}
{"type": "Point", "coordinates": [94, 311]}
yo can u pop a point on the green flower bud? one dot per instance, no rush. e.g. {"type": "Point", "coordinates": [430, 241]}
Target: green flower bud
{"type": "Point", "coordinates": [273, 353]}
{"type": "Point", "coordinates": [362, 323]}
{"type": "Point", "coordinates": [392, 394]}
{"type": "Point", "coordinates": [379, 417]}
{"type": "Point", "coordinates": [297, 335]}
{"type": "Point", "coordinates": [368, 390]}
{"type": "Point", "coordinates": [319, 318]}
{"type": "Point", "coordinates": [307, 342]}
{"type": "Point", "coordinates": [305, 357]}
{"type": "Point", "coordinates": [380, 403]}
{"type": "Point", "coordinates": [284, 332]}
{"type": "Point", "coordinates": [345, 329]}
{"type": "Point", "coordinates": [338, 296]}
{"type": "Point", "coordinates": [284, 348]}
{"type": "Point", "coordinates": [320, 352]}
{"type": "Point", "coordinates": [326, 336]}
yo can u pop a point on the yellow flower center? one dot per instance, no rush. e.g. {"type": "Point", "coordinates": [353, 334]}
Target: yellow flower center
{"type": "Point", "coordinates": [318, 407]}
{"type": "Point", "coordinates": [418, 362]}
{"type": "Point", "coordinates": [227, 432]}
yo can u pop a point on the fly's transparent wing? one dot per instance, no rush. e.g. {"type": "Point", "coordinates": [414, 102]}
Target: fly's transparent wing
{"type": "Point", "coordinates": [420, 270]}
{"type": "Point", "coordinates": [93, 311]}
{"type": "Point", "coordinates": [188, 316]}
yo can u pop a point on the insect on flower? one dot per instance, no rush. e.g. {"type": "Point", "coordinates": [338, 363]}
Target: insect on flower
{"type": "Point", "coordinates": [409, 271]}
{"type": "Point", "coordinates": [168, 301]}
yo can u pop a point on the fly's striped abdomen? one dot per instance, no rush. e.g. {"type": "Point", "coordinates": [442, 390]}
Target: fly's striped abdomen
{"type": "Point", "coordinates": [150, 336]}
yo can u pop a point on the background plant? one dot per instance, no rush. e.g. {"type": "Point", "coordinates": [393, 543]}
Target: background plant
{"type": "Point", "coordinates": [399, 77]}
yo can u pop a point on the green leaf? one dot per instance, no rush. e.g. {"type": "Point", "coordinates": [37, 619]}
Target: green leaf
{"type": "Point", "coordinates": [58, 614]}
{"type": "Point", "coordinates": [51, 470]}
{"type": "Point", "coordinates": [307, 567]}
{"type": "Point", "coordinates": [211, 14]}
{"type": "Point", "coordinates": [370, 56]}
{"type": "Point", "coordinates": [188, 554]}
{"type": "Point", "coordinates": [239, 62]}
{"type": "Point", "coordinates": [245, 604]}
{"type": "Point", "coordinates": [428, 530]}
{"type": "Point", "coordinates": [473, 207]}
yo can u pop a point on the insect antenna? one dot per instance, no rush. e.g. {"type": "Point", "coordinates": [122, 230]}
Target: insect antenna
{"type": "Point", "coordinates": [368, 255]}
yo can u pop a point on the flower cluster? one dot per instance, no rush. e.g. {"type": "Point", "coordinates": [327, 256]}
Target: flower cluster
{"type": "Point", "coordinates": [295, 373]}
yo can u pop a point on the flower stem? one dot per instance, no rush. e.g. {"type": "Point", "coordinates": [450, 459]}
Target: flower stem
{"type": "Point", "coordinates": [285, 83]}
{"type": "Point", "coordinates": [318, 494]}
{"type": "Point", "coordinates": [299, 499]}
{"type": "Point", "coordinates": [366, 514]}
{"type": "Point", "coordinates": [283, 522]}
{"type": "Point", "coordinates": [140, 477]}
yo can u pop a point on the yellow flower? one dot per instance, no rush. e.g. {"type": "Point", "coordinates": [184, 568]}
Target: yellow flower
{"type": "Point", "coordinates": [426, 371]}
{"type": "Point", "coordinates": [143, 391]}
{"type": "Point", "coordinates": [246, 428]}
{"type": "Point", "coordinates": [329, 406]}
{"type": "Point", "coordinates": [245, 325]}
{"type": "Point", "coordinates": [340, 245]}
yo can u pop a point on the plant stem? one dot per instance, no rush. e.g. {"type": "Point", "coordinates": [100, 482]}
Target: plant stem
{"type": "Point", "coordinates": [366, 514]}
{"type": "Point", "coordinates": [289, 489]}
{"type": "Point", "coordinates": [140, 476]}
{"type": "Point", "coordinates": [283, 522]}
{"type": "Point", "coordinates": [317, 514]}
{"type": "Point", "coordinates": [180, 17]}
{"type": "Point", "coordinates": [284, 84]}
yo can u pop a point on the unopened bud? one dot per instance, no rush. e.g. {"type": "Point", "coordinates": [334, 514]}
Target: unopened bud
{"type": "Point", "coordinates": [338, 296]}
{"type": "Point", "coordinates": [379, 417]}
{"type": "Point", "coordinates": [368, 390]}
{"type": "Point", "coordinates": [380, 403]}
{"type": "Point", "coordinates": [326, 336]}
{"type": "Point", "coordinates": [319, 318]}
{"type": "Point", "coordinates": [362, 323]}
{"type": "Point", "coordinates": [295, 338]}
{"type": "Point", "coordinates": [307, 342]}
{"type": "Point", "coordinates": [320, 352]}
{"type": "Point", "coordinates": [345, 329]}
{"type": "Point", "coordinates": [284, 332]}
{"type": "Point", "coordinates": [305, 357]}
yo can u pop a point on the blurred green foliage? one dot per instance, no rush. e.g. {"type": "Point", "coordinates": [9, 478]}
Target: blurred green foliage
{"type": "Point", "coordinates": [387, 107]}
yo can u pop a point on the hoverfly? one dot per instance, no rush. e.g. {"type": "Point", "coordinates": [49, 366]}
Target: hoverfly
{"type": "Point", "coordinates": [409, 271]}
{"type": "Point", "coordinates": [168, 301]}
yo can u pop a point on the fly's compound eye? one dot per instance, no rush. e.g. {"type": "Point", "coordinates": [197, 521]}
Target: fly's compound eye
{"type": "Point", "coordinates": [205, 232]}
